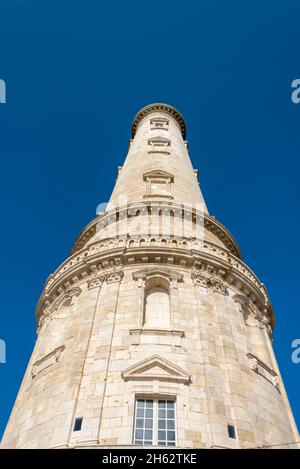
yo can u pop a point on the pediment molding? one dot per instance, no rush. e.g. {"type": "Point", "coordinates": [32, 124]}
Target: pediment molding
{"type": "Point", "coordinates": [159, 139]}
{"type": "Point", "coordinates": [157, 271]}
{"type": "Point", "coordinates": [156, 368]}
{"type": "Point", "coordinates": [262, 369]}
{"type": "Point", "coordinates": [158, 174]}
{"type": "Point", "coordinates": [47, 361]}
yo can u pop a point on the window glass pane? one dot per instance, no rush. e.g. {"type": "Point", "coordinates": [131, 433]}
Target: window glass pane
{"type": "Point", "coordinates": [148, 423]}
{"type": "Point", "coordinates": [171, 424]}
{"type": "Point", "coordinates": [78, 424]}
{"type": "Point", "coordinates": [166, 420]}
{"type": "Point", "coordinates": [139, 434]}
{"type": "Point", "coordinates": [144, 409]}
{"type": "Point", "coordinates": [148, 434]}
{"type": "Point", "coordinates": [162, 424]}
{"type": "Point", "coordinates": [231, 431]}
{"type": "Point", "coordinates": [149, 413]}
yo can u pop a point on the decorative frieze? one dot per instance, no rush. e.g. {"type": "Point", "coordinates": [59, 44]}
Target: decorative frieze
{"type": "Point", "coordinates": [205, 273]}
{"type": "Point", "coordinates": [101, 247]}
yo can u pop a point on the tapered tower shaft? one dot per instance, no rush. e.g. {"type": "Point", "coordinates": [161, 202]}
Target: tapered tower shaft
{"type": "Point", "coordinates": [153, 332]}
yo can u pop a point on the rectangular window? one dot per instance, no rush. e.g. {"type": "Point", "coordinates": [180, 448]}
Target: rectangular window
{"type": "Point", "coordinates": [77, 424]}
{"type": "Point", "coordinates": [159, 123]}
{"type": "Point", "coordinates": [155, 422]}
{"type": "Point", "coordinates": [159, 145]}
{"type": "Point", "coordinates": [231, 431]}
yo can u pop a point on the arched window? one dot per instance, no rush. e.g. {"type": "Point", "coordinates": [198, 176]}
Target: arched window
{"type": "Point", "coordinates": [157, 303]}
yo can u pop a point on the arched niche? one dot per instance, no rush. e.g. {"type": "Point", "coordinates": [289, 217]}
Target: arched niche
{"type": "Point", "coordinates": [157, 309]}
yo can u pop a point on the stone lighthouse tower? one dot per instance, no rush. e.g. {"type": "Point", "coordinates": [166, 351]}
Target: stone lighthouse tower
{"type": "Point", "coordinates": [153, 332]}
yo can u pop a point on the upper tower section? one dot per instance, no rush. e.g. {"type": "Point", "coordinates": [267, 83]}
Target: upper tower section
{"type": "Point", "coordinates": [158, 166]}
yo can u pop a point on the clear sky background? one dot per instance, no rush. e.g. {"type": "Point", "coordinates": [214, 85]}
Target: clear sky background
{"type": "Point", "coordinates": [78, 71]}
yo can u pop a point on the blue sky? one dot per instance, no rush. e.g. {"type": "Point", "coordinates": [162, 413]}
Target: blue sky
{"type": "Point", "coordinates": [77, 72]}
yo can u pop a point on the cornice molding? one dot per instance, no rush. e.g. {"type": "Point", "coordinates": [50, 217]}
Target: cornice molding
{"type": "Point", "coordinates": [170, 110]}
{"type": "Point", "coordinates": [158, 173]}
{"type": "Point", "coordinates": [224, 271]}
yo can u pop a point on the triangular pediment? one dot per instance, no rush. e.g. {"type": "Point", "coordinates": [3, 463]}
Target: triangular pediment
{"type": "Point", "coordinates": [156, 368]}
{"type": "Point", "coordinates": [159, 272]}
{"type": "Point", "coordinates": [159, 139]}
{"type": "Point", "coordinates": [159, 174]}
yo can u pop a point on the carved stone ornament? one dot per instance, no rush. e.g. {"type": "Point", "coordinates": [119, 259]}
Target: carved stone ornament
{"type": "Point", "coordinates": [216, 282]}
{"type": "Point", "coordinates": [73, 292]}
{"type": "Point", "coordinates": [266, 325]}
{"type": "Point", "coordinates": [252, 316]}
{"type": "Point", "coordinates": [47, 361]}
{"type": "Point", "coordinates": [110, 275]}
{"type": "Point", "coordinates": [208, 277]}
{"type": "Point", "coordinates": [49, 309]}
{"type": "Point", "coordinates": [96, 281]}
{"type": "Point", "coordinates": [114, 275]}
